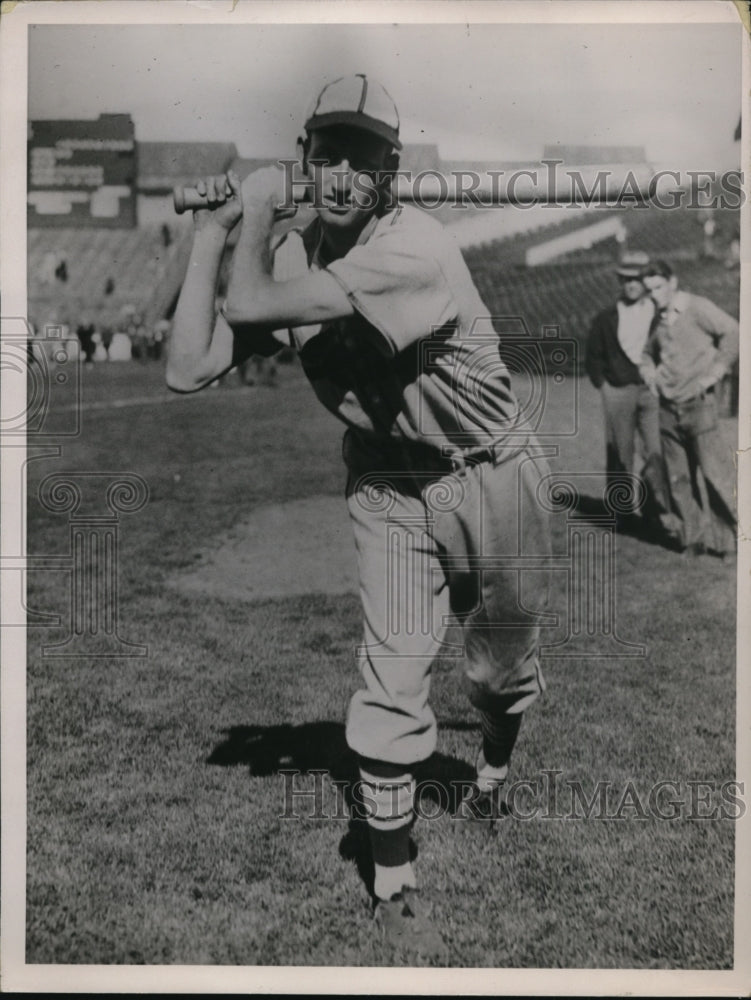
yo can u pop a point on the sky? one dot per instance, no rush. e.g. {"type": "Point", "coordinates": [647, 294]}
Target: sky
{"type": "Point", "coordinates": [478, 91]}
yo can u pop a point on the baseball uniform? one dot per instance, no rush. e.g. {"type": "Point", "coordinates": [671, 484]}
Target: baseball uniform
{"type": "Point", "coordinates": [443, 471]}
{"type": "Point", "coordinates": [442, 477]}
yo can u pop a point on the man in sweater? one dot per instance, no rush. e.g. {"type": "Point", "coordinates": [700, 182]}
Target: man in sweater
{"type": "Point", "coordinates": [692, 345]}
{"type": "Point", "coordinates": [614, 350]}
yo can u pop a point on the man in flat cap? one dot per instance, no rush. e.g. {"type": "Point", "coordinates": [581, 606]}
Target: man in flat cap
{"type": "Point", "coordinates": [616, 341]}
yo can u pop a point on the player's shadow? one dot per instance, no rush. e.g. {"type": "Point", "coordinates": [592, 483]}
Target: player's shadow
{"type": "Point", "coordinates": [267, 750]}
{"type": "Point", "coordinates": [321, 746]}
{"type": "Point", "coordinates": [595, 509]}
{"type": "Point", "coordinates": [643, 528]}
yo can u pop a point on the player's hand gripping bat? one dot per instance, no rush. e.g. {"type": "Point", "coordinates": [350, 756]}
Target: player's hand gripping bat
{"type": "Point", "coordinates": [190, 198]}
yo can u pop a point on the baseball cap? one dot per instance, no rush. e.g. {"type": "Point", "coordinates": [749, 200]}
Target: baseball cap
{"type": "Point", "coordinates": [632, 264]}
{"type": "Point", "coordinates": [356, 100]}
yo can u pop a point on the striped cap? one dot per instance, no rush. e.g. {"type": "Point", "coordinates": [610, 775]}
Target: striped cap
{"type": "Point", "coordinates": [357, 101]}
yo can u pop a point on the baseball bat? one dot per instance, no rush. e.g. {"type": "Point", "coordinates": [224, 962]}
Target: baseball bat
{"type": "Point", "coordinates": [446, 189]}
{"type": "Point", "coordinates": [187, 198]}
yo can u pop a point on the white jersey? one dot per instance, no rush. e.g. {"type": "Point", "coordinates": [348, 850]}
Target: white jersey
{"type": "Point", "coordinates": [419, 361]}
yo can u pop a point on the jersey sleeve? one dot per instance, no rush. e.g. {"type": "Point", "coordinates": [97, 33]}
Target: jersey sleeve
{"type": "Point", "coordinates": [397, 284]}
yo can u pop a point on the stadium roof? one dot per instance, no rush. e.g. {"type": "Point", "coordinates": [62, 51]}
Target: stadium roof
{"type": "Point", "coordinates": [589, 156]}
{"type": "Point", "coordinates": [417, 156]}
{"type": "Point", "coordinates": [161, 165]}
{"type": "Point", "coordinates": [482, 166]}
{"type": "Point", "coordinates": [244, 165]}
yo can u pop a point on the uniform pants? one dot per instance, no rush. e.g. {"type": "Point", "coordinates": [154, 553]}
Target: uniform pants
{"type": "Point", "coordinates": [434, 549]}
{"type": "Point", "coordinates": [693, 445]}
{"type": "Point", "coordinates": [628, 409]}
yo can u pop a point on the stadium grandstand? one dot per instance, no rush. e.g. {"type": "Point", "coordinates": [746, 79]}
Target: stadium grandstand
{"type": "Point", "coordinates": [130, 258]}
{"type": "Point", "coordinates": [124, 250]}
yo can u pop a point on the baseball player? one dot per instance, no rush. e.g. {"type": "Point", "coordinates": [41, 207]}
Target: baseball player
{"type": "Point", "coordinates": [443, 471]}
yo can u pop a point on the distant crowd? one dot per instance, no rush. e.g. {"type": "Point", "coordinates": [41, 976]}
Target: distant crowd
{"type": "Point", "coordinates": [129, 337]}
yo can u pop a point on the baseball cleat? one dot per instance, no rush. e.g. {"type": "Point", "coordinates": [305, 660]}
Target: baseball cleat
{"type": "Point", "coordinates": [485, 806]}
{"type": "Point", "coordinates": [404, 926]}
{"type": "Point", "coordinates": [486, 800]}
{"type": "Point", "coordinates": [491, 805]}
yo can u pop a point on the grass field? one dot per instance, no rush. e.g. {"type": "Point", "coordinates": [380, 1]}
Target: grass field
{"type": "Point", "coordinates": [156, 831]}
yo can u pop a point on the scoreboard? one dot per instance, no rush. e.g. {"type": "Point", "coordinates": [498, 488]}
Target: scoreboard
{"type": "Point", "coordinates": [82, 173]}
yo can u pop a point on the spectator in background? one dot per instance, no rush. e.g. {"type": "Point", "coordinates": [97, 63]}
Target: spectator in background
{"type": "Point", "coordinates": [692, 345]}
{"type": "Point", "coordinates": [32, 331]}
{"type": "Point", "coordinates": [709, 228]}
{"type": "Point", "coordinates": [61, 271]}
{"type": "Point", "coordinates": [733, 255]}
{"type": "Point", "coordinates": [48, 268]}
{"type": "Point", "coordinates": [85, 332]}
{"type": "Point", "coordinates": [159, 338]}
{"type": "Point", "coordinates": [139, 342]}
{"type": "Point", "coordinates": [258, 371]}
{"type": "Point", "coordinates": [107, 334]}
{"type": "Point", "coordinates": [616, 341]}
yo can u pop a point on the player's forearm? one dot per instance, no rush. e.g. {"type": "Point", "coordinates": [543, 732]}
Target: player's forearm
{"type": "Point", "coordinates": [191, 363]}
{"type": "Point", "coordinates": [251, 277]}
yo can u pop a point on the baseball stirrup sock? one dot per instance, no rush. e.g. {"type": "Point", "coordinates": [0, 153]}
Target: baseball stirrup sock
{"type": "Point", "coordinates": [499, 733]}
{"type": "Point", "coordinates": [388, 794]}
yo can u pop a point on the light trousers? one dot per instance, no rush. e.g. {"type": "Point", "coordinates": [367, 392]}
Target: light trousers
{"type": "Point", "coordinates": [466, 548]}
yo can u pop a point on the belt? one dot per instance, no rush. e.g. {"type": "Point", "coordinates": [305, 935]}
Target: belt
{"type": "Point", "coordinates": [686, 404]}
{"type": "Point", "coordinates": [425, 459]}
{"type": "Point", "coordinates": [497, 453]}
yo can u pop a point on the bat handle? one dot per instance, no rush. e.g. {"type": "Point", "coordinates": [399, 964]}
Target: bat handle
{"type": "Point", "coordinates": [187, 199]}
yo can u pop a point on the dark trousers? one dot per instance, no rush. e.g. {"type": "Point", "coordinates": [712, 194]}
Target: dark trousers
{"type": "Point", "coordinates": [694, 448]}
